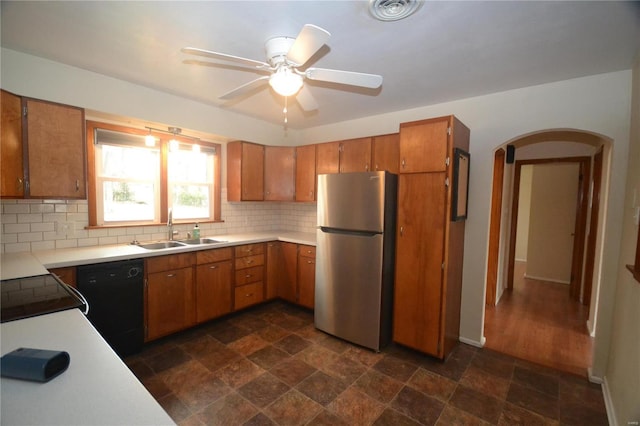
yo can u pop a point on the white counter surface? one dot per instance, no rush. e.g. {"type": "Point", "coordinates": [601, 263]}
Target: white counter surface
{"type": "Point", "coordinates": [96, 389]}
{"type": "Point", "coordinates": [90, 255]}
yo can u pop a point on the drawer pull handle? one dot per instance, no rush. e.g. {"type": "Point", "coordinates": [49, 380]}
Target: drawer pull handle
{"type": "Point", "coordinates": [249, 261]}
{"type": "Point", "coordinates": [213, 267]}
{"type": "Point", "coordinates": [309, 262]}
{"type": "Point", "coordinates": [248, 295]}
{"type": "Point", "coordinates": [171, 275]}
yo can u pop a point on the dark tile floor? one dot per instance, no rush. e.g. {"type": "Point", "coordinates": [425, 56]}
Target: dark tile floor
{"type": "Point", "coordinates": [270, 366]}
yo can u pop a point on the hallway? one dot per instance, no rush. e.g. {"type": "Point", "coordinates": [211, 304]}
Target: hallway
{"type": "Point", "coordinates": [538, 322]}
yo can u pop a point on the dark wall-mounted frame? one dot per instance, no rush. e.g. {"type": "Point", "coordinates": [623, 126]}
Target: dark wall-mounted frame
{"type": "Point", "coordinates": [460, 189]}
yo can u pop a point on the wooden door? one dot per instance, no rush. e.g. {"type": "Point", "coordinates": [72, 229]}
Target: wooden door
{"type": "Point", "coordinates": [213, 290]}
{"type": "Point", "coordinates": [305, 188]}
{"type": "Point", "coordinates": [355, 155]}
{"type": "Point", "coordinates": [328, 158]}
{"type": "Point", "coordinates": [494, 227]}
{"type": "Point", "coordinates": [306, 276]}
{"type": "Point", "coordinates": [170, 304]}
{"type": "Point", "coordinates": [386, 153]}
{"type": "Point", "coordinates": [423, 145]}
{"type": "Point", "coordinates": [252, 172]}
{"type": "Point", "coordinates": [593, 228]}
{"type": "Point", "coordinates": [288, 285]}
{"type": "Point", "coordinates": [279, 173]}
{"type": "Point", "coordinates": [419, 261]}
{"type": "Point", "coordinates": [12, 179]}
{"type": "Point", "coordinates": [56, 151]}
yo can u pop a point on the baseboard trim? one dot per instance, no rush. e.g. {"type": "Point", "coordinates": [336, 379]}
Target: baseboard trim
{"type": "Point", "coordinates": [552, 280]}
{"type": "Point", "coordinates": [608, 401]}
{"type": "Point", "coordinates": [477, 344]}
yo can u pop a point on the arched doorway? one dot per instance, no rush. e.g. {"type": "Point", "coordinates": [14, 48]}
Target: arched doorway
{"type": "Point", "coordinates": [542, 147]}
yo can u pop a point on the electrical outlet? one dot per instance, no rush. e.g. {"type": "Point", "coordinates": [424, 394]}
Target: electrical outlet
{"type": "Point", "coordinates": [65, 229]}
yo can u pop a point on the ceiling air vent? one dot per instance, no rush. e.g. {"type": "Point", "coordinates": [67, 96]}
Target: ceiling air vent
{"type": "Point", "coordinates": [393, 10]}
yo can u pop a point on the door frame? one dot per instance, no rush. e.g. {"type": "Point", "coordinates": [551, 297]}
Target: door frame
{"type": "Point", "coordinates": [493, 258]}
{"type": "Point", "coordinates": [578, 251]}
{"type": "Point", "coordinates": [590, 255]}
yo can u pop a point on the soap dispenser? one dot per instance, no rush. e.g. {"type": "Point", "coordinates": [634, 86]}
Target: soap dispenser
{"type": "Point", "coordinates": [196, 231]}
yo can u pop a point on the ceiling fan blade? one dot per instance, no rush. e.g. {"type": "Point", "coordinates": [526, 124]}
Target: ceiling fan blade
{"type": "Point", "coordinates": [371, 81]}
{"type": "Point", "coordinates": [245, 88]}
{"type": "Point", "coordinates": [306, 100]}
{"type": "Point", "coordinates": [310, 39]}
{"type": "Point", "coordinates": [224, 57]}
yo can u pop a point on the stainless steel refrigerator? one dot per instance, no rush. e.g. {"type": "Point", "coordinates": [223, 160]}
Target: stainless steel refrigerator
{"type": "Point", "coordinates": [355, 253]}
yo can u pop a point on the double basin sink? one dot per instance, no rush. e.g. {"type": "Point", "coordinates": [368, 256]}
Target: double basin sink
{"type": "Point", "coordinates": [179, 243]}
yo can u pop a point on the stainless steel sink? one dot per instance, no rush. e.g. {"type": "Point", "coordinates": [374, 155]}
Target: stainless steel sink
{"type": "Point", "coordinates": [196, 241]}
{"type": "Point", "coordinates": [161, 245]}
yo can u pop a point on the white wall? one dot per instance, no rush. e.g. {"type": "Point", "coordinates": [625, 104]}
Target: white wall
{"type": "Point", "coordinates": [599, 103]}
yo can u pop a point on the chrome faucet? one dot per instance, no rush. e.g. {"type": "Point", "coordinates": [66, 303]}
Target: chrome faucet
{"type": "Point", "coordinates": [170, 230]}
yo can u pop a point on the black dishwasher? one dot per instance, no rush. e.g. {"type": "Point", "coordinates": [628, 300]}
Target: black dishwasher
{"type": "Point", "coordinates": [114, 291]}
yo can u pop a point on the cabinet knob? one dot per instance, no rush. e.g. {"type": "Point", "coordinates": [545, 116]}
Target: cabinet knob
{"type": "Point", "coordinates": [213, 267]}
{"type": "Point", "coordinates": [248, 295]}
{"type": "Point", "coordinates": [248, 276]}
{"type": "Point", "coordinates": [310, 262]}
{"type": "Point", "coordinates": [20, 185]}
{"type": "Point", "coordinates": [404, 163]}
{"type": "Point", "coordinates": [249, 261]}
{"type": "Point", "coordinates": [77, 185]}
{"type": "Point", "coordinates": [401, 230]}
{"type": "Point", "coordinates": [171, 275]}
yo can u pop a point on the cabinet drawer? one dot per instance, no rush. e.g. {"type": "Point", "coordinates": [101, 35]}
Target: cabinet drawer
{"type": "Point", "coordinates": [211, 256]}
{"type": "Point", "coordinates": [249, 275]}
{"type": "Point", "coordinates": [308, 251]}
{"type": "Point", "coordinates": [248, 295]}
{"type": "Point", "coordinates": [249, 261]}
{"type": "Point", "coordinates": [172, 261]}
{"type": "Point", "coordinates": [249, 249]}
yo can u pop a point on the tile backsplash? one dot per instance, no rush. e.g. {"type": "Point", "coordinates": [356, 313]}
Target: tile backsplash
{"type": "Point", "coordinates": [33, 225]}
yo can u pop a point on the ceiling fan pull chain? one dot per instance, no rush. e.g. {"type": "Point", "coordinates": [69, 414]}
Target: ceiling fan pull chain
{"type": "Point", "coordinates": [285, 110]}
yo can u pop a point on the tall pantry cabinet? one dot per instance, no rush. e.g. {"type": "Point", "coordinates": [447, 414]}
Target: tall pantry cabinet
{"type": "Point", "coordinates": [429, 245]}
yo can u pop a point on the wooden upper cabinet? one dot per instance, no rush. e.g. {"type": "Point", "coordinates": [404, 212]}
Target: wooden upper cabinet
{"type": "Point", "coordinates": [306, 173]}
{"type": "Point", "coordinates": [245, 171]}
{"type": "Point", "coordinates": [423, 145]}
{"type": "Point", "coordinates": [328, 158]}
{"type": "Point", "coordinates": [355, 155]}
{"type": "Point", "coordinates": [386, 153]}
{"type": "Point", "coordinates": [12, 179]}
{"type": "Point", "coordinates": [55, 139]}
{"type": "Point", "coordinates": [279, 173]}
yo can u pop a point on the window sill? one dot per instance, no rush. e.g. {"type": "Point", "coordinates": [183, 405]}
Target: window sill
{"type": "Point", "coordinates": [635, 271]}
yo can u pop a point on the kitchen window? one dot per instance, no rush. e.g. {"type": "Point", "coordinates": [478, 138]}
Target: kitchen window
{"type": "Point", "coordinates": [135, 184]}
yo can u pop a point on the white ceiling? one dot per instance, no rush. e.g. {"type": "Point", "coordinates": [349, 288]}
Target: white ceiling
{"type": "Point", "coordinates": [446, 51]}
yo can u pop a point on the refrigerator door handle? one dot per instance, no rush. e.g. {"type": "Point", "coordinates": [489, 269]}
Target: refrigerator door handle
{"type": "Point", "coordinates": [328, 230]}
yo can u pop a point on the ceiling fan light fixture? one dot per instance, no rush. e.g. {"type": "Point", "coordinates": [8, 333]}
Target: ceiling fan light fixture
{"type": "Point", "coordinates": [285, 82]}
{"type": "Point", "coordinates": [393, 10]}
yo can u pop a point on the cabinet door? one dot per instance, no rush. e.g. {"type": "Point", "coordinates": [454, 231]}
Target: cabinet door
{"type": "Point", "coordinates": [355, 155]}
{"type": "Point", "coordinates": [66, 274]}
{"type": "Point", "coordinates": [306, 173]}
{"type": "Point", "coordinates": [170, 304]}
{"type": "Point", "coordinates": [423, 145]}
{"type": "Point", "coordinates": [386, 153]}
{"type": "Point", "coordinates": [328, 158]}
{"type": "Point", "coordinates": [288, 285]}
{"type": "Point", "coordinates": [56, 151]}
{"type": "Point", "coordinates": [12, 179]}
{"type": "Point", "coordinates": [279, 173]}
{"type": "Point", "coordinates": [213, 290]}
{"type": "Point", "coordinates": [419, 261]}
{"type": "Point", "coordinates": [274, 269]}
{"type": "Point", "coordinates": [252, 172]}
{"type": "Point", "coordinates": [306, 276]}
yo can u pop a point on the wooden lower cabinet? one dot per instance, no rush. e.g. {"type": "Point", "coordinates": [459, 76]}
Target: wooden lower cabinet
{"type": "Point", "coordinates": [306, 276]}
{"type": "Point", "coordinates": [170, 302]}
{"type": "Point", "coordinates": [66, 274]}
{"type": "Point", "coordinates": [249, 275]}
{"type": "Point", "coordinates": [214, 286]}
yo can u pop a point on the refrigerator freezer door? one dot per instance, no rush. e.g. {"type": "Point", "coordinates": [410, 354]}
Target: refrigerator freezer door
{"type": "Point", "coordinates": [353, 201]}
{"type": "Point", "coordinates": [349, 286]}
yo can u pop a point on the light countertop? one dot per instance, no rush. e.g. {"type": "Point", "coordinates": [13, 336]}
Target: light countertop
{"type": "Point", "coordinates": [96, 389]}
{"type": "Point", "coordinates": [16, 265]}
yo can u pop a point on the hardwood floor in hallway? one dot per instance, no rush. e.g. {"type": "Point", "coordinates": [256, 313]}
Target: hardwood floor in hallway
{"type": "Point", "coordinates": [538, 322]}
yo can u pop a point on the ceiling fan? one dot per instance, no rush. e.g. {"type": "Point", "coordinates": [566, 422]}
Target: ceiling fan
{"type": "Point", "coordinates": [286, 57]}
